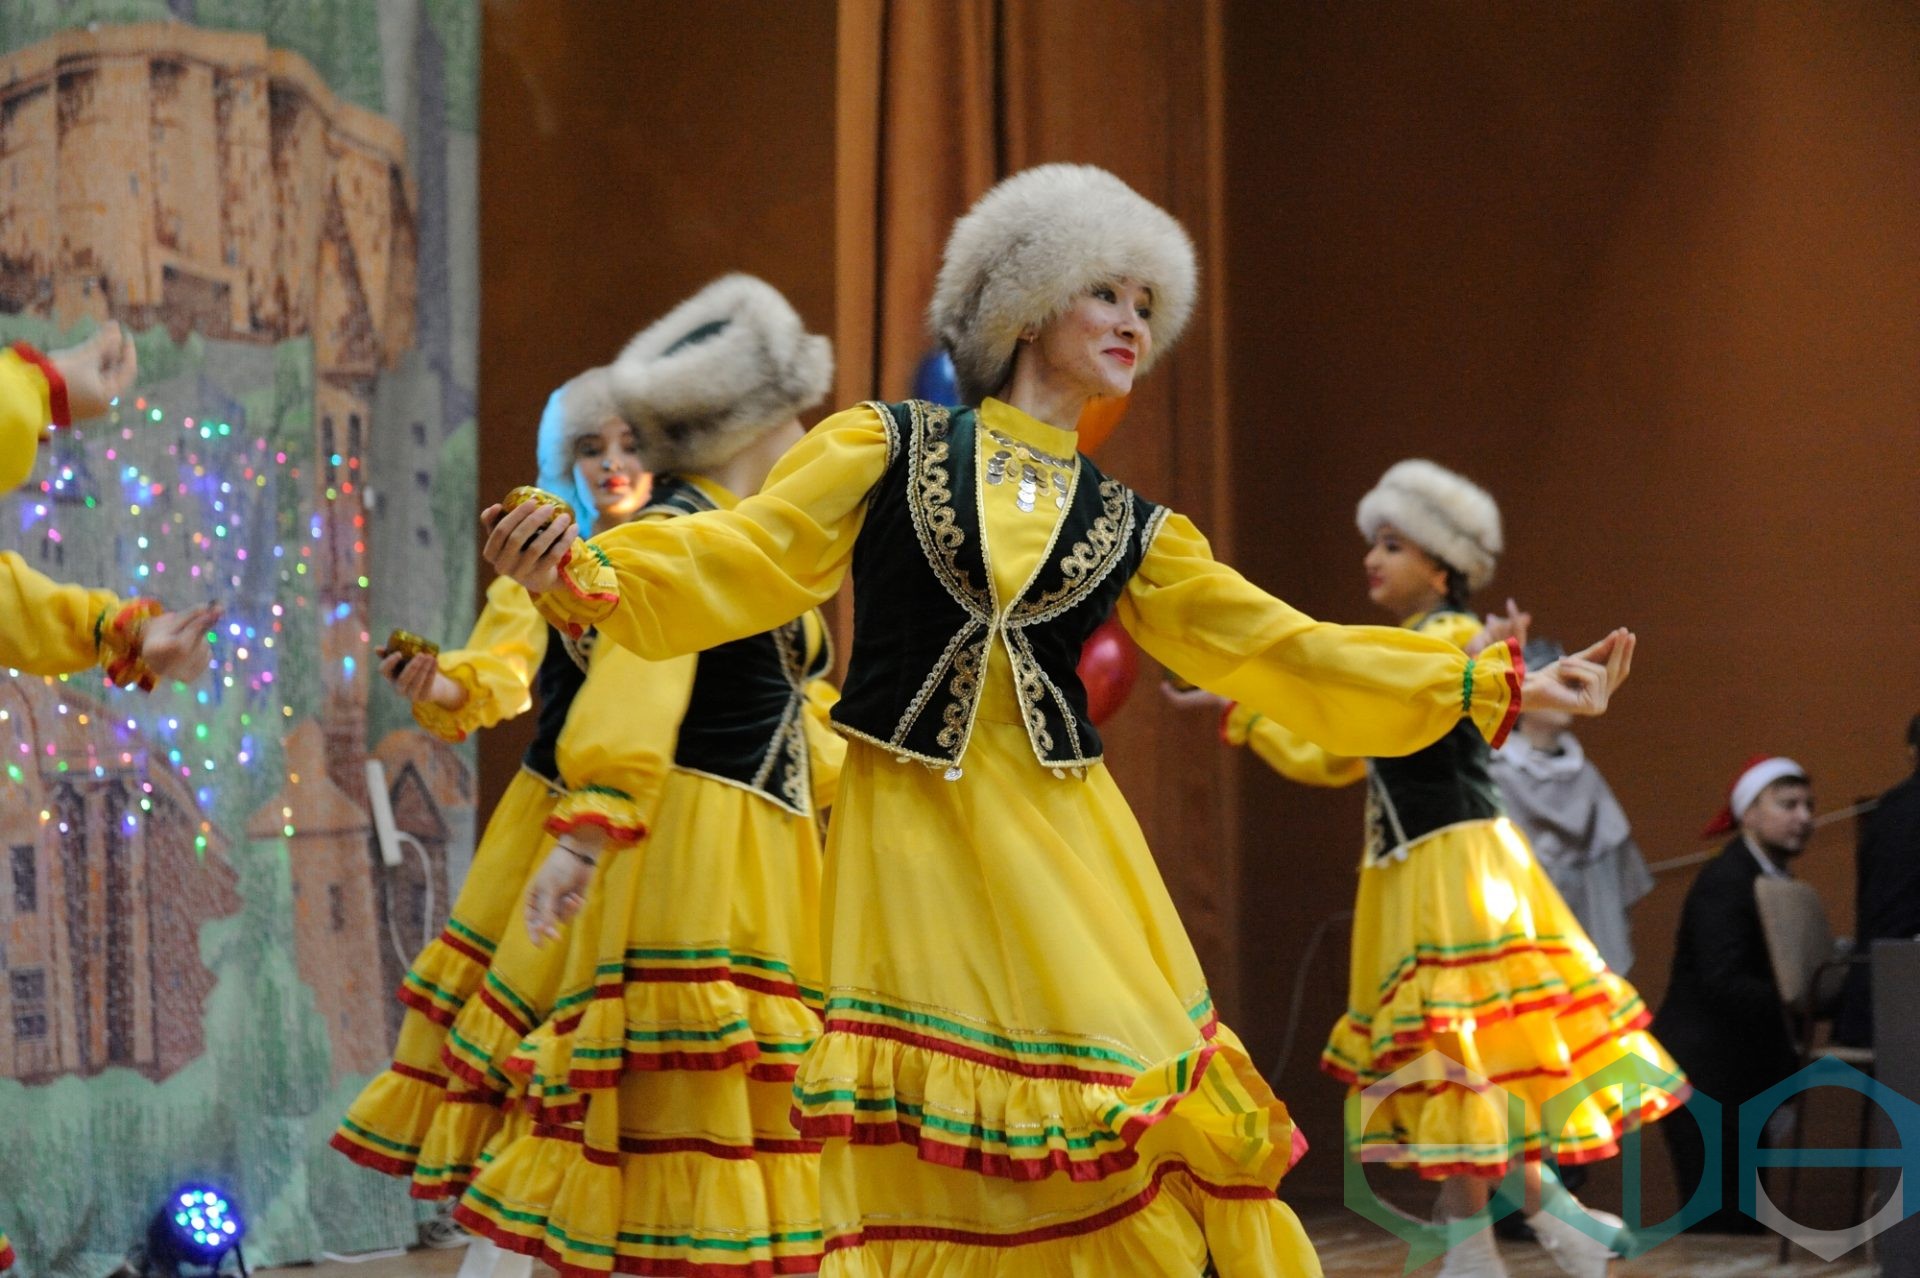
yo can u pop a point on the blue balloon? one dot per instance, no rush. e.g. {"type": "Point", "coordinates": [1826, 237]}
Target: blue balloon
{"type": "Point", "coordinates": [934, 380]}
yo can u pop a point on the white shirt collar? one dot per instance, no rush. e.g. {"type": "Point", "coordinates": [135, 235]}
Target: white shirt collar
{"type": "Point", "coordinates": [1767, 867]}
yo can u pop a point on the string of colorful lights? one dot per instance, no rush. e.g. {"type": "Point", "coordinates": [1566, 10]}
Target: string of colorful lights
{"type": "Point", "coordinates": [190, 507]}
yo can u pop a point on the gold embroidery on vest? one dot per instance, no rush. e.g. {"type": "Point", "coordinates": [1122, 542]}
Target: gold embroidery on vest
{"type": "Point", "coordinates": [930, 502]}
{"type": "Point", "coordinates": [931, 683]}
{"type": "Point", "coordinates": [1089, 561]}
{"type": "Point", "coordinates": [963, 691]}
{"type": "Point", "coordinates": [1032, 684]}
{"type": "Point", "coordinates": [892, 428]}
{"type": "Point", "coordinates": [787, 750]}
{"type": "Point", "coordinates": [1151, 529]}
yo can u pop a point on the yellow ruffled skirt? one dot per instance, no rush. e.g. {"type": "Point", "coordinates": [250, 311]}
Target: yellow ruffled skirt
{"type": "Point", "coordinates": [1471, 984]}
{"type": "Point", "coordinates": [473, 996]}
{"type": "Point", "coordinates": [1021, 1074]}
{"type": "Point", "coordinates": [665, 1142]}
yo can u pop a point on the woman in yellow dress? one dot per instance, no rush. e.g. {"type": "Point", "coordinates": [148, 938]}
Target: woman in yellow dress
{"type": "Point", "coordinates": [698, 781]}
{"type": "Point", "coordinates": [432, 1114]}
{"type": "Point", "coordinates": [1461, 944]}
{"type": "Point", "coordinates": [47, 628]}
{"type": "Point", "coordinates": [1021, 1071]}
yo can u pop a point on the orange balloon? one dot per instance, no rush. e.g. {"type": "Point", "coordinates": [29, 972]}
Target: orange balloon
{"type": "Point", "coordinates": [1098, 419]}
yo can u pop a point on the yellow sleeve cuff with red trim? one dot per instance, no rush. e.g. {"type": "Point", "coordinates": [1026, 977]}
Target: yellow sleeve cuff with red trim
{"type": "Point", "coordinates": [1236, 721]}
{"type": "Point", "coordinates": [1490, 690]}
{"type": "Point", "coordinates": [59, 411]}
{"type": "Point", "coordinates": [119, 635]}
{"type": "Point", "coordinates": [587, 591]}
{"type": "Point", "coordinates": [454, 725]}
{"type": "Point", "coordinates": [613, 811]}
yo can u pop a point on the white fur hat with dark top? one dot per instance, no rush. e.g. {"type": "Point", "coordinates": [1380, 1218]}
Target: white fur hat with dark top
{"type": "Point", "coordinates": [1445, 514]}
{"type": "Point", "coordinates": [1034, 243]}
{"type": "Point", "coordinates": [717, 371]}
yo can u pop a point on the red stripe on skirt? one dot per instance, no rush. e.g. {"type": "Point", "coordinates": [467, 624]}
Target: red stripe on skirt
{"type": "Point", "coordinates": [1051, 1233]}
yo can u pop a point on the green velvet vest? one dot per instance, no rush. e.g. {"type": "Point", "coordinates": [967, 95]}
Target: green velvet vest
{"type": "Point", "coordinates": [745, 718]}
{"type": "Point", "coordinates": [926, 613]}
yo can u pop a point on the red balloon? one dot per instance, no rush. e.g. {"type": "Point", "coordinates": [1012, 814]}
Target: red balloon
{"type": "Point", "coordinates": [1109, 664]}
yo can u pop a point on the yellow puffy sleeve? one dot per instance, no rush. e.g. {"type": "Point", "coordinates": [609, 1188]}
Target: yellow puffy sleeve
{"type": "Point", "coordinates": [617, 747]}
{"type": "Point", "coordinates": [29, 386]}
{"type": "Point", "coordinates": [826, 749]}
{"type": "Point", "coordinates": [496, 665]}
{"type": "Point", "coordinates": [47, 628]}
{"type": "Point", "coordinates": [1286, 752]}
{"type": "Point", "coordinates": [670, 586]}
{"type": "Point", "coordinates": [1356, 691]}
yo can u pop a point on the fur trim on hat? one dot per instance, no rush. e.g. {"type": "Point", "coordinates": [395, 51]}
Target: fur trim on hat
{"type": "Point", "coordinates": [577, 408]}
{"type": "Point", "coordinates": [1447, 515]}
{"type": "Point", "coordinates": [1037, 241]}
{"type": "Point", "coordinates": [718, 371]}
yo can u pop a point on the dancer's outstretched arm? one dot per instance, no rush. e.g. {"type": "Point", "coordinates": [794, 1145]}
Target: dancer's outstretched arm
{"type": "Point", "coordinates": [485, 681]}
{"type": "Point", "coordinates": [671, 586]}
{"type": "Point", "coordinates": [1355, 691]}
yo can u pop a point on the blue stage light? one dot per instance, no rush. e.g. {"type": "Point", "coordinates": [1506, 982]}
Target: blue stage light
{"type": "Point", "coordinates": [195, 1228]}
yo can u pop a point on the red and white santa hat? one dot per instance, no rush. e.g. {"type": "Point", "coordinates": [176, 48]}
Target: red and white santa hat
{"type": "Point", "coordinates": [1755, 775]}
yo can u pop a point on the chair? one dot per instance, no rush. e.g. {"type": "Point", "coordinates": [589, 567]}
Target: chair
{"type": "Point", "coordinates": [1810, 978]}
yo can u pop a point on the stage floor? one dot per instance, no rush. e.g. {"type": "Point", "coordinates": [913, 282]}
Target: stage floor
{"type": "Point", "coordinates": [1349, 1248]}
{"type": "Point", "coordinates": [1352, 1248]}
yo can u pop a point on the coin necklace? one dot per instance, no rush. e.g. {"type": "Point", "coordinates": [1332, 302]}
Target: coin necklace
{"type": "Point", "coordinates": [1038, 471]}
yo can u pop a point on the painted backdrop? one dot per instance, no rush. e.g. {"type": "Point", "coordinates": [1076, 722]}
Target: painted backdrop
{"type": "Point", "coordinates": [198, 941]}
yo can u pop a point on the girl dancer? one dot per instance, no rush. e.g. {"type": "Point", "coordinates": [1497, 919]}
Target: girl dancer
{"type": "Point", "coordinates": [1021, 1072]}
{"type": "Point", "coordinates": [431, 1115]}
{"type": "Point", "coordinates": [1461, 945]}
{"type": "Point", "coordinates": [702, 985]}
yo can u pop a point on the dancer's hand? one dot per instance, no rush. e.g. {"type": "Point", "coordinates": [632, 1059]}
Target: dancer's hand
{"type": "Point", "coordinates": [174, 644]}
{"type": "Point", "coordinates": [418, 679]}
{"type": "Point", "coordinates": [97, 371]}
{"type": "Point", "coordinates": [1514, 625]}
{"type": "Point", "coordinates": [1190, 698]}
{"type": "Point", "coordinates": [528, 546]}
{"type": "Point", "coordinates": [559, 889]}
{"type": "Point", "coordinates": [1582, 683]}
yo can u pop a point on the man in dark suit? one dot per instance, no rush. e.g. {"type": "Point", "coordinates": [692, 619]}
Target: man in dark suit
{"type": "Point", "coordinates": [1722, 1018]}
{"type": "Point", "coordinates": [1887, 904]}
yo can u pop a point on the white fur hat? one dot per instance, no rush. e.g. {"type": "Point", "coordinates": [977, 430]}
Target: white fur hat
{"type": "Point", "coordinates": [716, 372]}
{"type": "Point", "coordinates": [577, 408]}
{"type": "Point", "coordinates": [1447, 515]}
{"type": "Point", "coordinates": [1034, 243]}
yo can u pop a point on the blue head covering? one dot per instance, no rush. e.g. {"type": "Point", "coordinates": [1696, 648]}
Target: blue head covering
{"type": "Point", "coordinates": [577, 408]}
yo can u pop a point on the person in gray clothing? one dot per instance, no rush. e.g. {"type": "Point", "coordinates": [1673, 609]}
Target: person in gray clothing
{"type": "Point", "coordinates": [1579, 833]}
